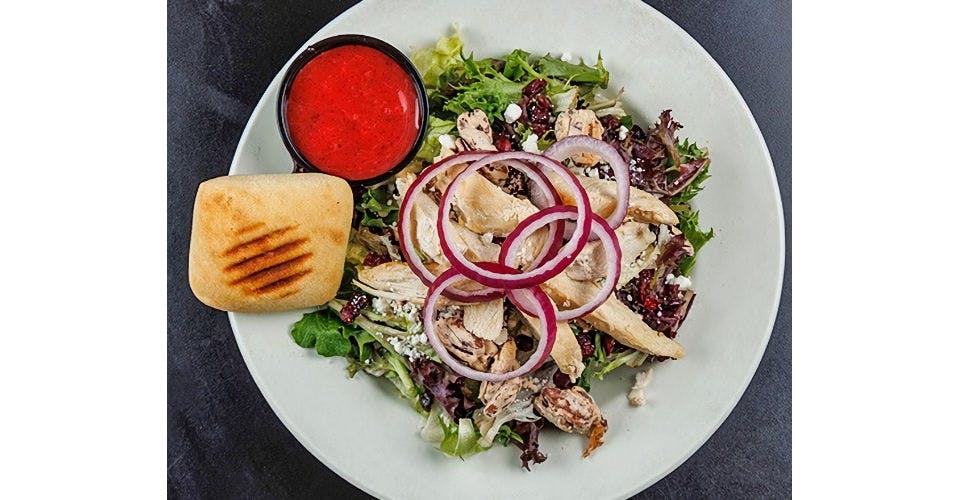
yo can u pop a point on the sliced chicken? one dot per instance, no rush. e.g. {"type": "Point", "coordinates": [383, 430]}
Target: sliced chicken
{"type": "Point", "coordinates": [498, 395]}
{"type": "Point", "coordinates": [613, 317]}
{"type": "Point", "coordinates": [425, 232]}
{"type": "Point", "coordinates": [566, 350]}
{"type": "Point", "coordinates": [634, 238]}
{"type": "Point", "coordinates": [642, 207]}
{"type": "Point", "coordinates": [590, 264]}
{"type": "Point", "coordinates": [484, 319]}
{"type": "Point", "coordinates": [475, 131]}
{"type": "Point", "coordinates": [465, 346]}
{"type": "Point", "coordinates": [638, 244]}
{"type": "Point", "coordinates": [573, 410]}
{"type": "Point", "coordinates": [392, 280]}
{"type": "Point", "coordinates": [485, 208]}
{"type": "Point", "coordinates": [579, 122]}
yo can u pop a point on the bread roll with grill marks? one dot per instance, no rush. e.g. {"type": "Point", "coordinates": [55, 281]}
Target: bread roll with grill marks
{"type": "Point", "coordinates": [269, 242]}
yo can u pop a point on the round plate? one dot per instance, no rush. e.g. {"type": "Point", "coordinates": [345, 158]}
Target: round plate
{"type": "Point", "coordinates": [369, 436]}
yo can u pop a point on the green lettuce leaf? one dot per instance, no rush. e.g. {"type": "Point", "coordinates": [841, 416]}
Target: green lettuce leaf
{"type": "Point", "coordinates": [431, 145]}
{"type": "Point", "coordinates": [432, 62]}
{"type": "Point", "coordinates": [378, 207]}
{"type": "Point", "coordinates": [574, 73]}
{"type": "Point", "coordinates": [324, 331]}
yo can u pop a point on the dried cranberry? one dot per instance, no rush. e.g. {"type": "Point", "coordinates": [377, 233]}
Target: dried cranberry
{"type": "Point", "coordinates": [562, 380]}
{"type": "Point", "coordinates": [535, 87]}
{"type": "Point", "coordinates": [502, 143]}
{"type": "Point", "coordinates": [375, 259]}
{"type": "Point", "coordinates": [352, 308]}
{"type": "Point", "coordinates": [609, 343]}
{"type": "Point", "coordinates": [524, 343]}
{"type": "Point", "coordinates": [537, 109]}
{"type": "Point", "coordinates": [586, 345]}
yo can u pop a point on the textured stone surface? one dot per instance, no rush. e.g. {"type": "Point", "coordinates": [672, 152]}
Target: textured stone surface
{"type": "Point", "coordinates": [224, 441]}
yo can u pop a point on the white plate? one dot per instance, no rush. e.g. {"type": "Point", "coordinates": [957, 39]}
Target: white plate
{"type": "Point", "coordinates": [369, 436]}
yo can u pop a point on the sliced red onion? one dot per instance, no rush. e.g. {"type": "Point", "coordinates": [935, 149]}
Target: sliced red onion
{"type": "Point", "coordinates": [407, 246]}
{"type": "Point", "coordinates": [599, 227]}
{"type": "Point", "coordinates": [578, 144]}
{"type": "Point", "coordinates": [532, 299]}
{"type": "Point", "coordinates": [536, 275]}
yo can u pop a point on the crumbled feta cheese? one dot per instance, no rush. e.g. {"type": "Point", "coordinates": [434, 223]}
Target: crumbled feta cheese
{"type": "Point", "coordinates": [530, 144]}
{"type": "Point", "coordinates": [622, 134]}
{"type": "Point", "coordinates": [665, 234]}
{"type": "Point", "coordinates": [379, 305]}
{"type": "Point", "coordinates": [682, 281]}
{"type": "Point", "coordinates": [446, 141]}
{"type": "Point", "coordinates": [450, 312]}
{"type": "Point", "coordinates": [566, 57]}
{"type": "Point", "coordinates": [410, 346]}
{"type": "Point", "coordinates": [487, 237]}
{"type": "Point", "coordinates": [636, 395]}
{"type": "Point", "coordinates": [512, 113]}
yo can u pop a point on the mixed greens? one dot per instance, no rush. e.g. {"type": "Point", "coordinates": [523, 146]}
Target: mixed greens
{"type": "Point", "coordinates": [380, 332]}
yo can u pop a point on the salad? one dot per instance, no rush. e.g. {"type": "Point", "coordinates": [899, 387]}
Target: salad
{"type": "Point", "coordinates": [426, 301]}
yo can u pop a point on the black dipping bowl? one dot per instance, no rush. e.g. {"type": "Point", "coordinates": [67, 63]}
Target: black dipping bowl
{"type": "Point", "coordinates": [300, 163]}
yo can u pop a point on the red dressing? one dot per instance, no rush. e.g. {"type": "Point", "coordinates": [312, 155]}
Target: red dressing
{"type": "Point", "coordinates": [353, 112]}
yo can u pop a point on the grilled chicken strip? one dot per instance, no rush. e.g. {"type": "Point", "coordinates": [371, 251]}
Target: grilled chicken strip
{"type": "Point", "coordinates": [472, 350]}
{"type": "Point", "coordinates": [427, 237]}
{"type": "Point", "coordinates": [485, 208]}
{"type": "Point", "coordinates": [643, 206]}
{"type": "Point", "coordinates": [484, 319]}
{"type": "Point", "coordinates": [566, 350]}
{"type": "Point", "coordinates": [613, 317]}
{"type": "Point", "coordinates": [579, 122]}
{"type": "Point", "coordinates": [635, 239]}
{"type": "Point", "coordinates": [498, 395]}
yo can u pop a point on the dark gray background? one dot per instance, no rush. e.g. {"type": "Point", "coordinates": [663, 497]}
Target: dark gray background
{"type": "Point", "coordinates": [222, 438]}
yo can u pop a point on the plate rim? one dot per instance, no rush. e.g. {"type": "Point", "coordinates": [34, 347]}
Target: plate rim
{"type": "Point", "coordinates": [771, 320]}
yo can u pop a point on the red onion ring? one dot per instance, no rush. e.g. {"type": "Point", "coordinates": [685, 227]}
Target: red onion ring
{"type": "Point", "coordinates": [547, 197]}
{"type": "Point", "coordinates": [537, 275]}
{"type": "Point", "coordinates": [407, 246]}
{"type": "Point", "coordinates": [531, 298]}
{"type": "Point", "coordinates": [599, 227]}
{"type": "Point", "coordinates": [577, 144]}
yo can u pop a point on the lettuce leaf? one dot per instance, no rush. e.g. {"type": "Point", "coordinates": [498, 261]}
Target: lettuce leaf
{"type": "Point", "coordinates": [432, 62]}
{"type": "Point", "coordinates": [455, 439]}
{"type": "Point", "coordinates": [324, 331]}
{"type": "Point", "coordinates": [431, 144]}
{"type": "Point", "coordinates": [574, 73]}
{"type": "Point", "coordinates": [378, 207]}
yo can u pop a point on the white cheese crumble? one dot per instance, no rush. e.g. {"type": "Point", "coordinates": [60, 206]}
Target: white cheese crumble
{"type": "Point", "coordinates": [512, 113]}
{"type": "Point", "coordinates": [664, 235]}
{"type": "Point", "coordinates": [622, 134]}
{"type": "Point", "coordinates": [446, 141]}
{"type": "Point", "coordinates": [410, 346]}
{"type": "Point", "coordinates": [530, 144]}
{"type": "Point", "coordinates": [566, 57]}
{"type": "Point", "coordinates": [487, 237]}
{"type": "Point", "coordinates": [682, 281]}
{"type": "Point", "coordinates": [636, 395]}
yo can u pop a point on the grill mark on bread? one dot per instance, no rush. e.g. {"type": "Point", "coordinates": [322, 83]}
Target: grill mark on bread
{"type": "Point", "coordinates": [266, 258]}
{"type": "Point", "coordinates": [283, 283]}
{"type": "Point", "coordinates": [274, 273]}
{"type": "Point", "coordinates": [259, 244]}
